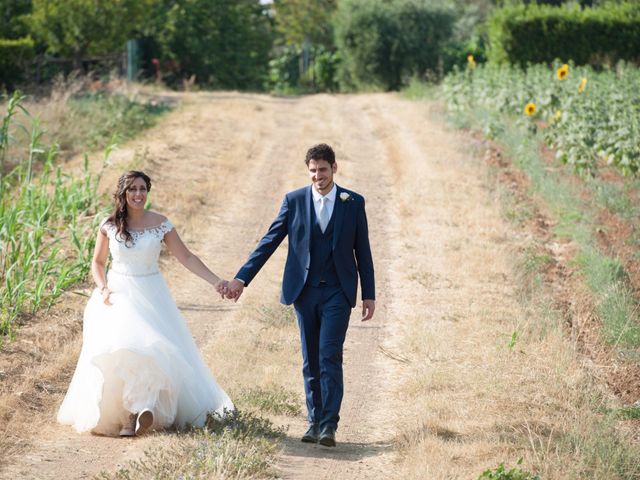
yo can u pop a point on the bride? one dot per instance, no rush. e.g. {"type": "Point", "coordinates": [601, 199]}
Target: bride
{"type": "Point", "coordinates": [139, 367]}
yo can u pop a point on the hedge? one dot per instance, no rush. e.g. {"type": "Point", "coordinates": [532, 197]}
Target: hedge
{"type": "Point", "coordinates": [522, 34]}
{"type": "Point", "coordinates": [14, 56]}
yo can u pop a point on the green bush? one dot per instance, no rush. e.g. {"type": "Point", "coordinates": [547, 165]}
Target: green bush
{"type": "Point", "coordinates": [14, 56]}
{"type": "Point", "coordinates": [320, 76]}
{"type": "Point", "coordinates": [383, 44]}
{"type": "Point", "coordinates": [284, 70]}
{"type": "Point", "coordinates": [522, 34]}
{"type": "Point", "coordinates": [224, 44]}
{"type": "Point", "coordinates": [325, 67]}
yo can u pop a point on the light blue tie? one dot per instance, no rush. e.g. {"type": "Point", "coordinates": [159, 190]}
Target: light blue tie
{"type": "Point", "coordinates": [323, 213]}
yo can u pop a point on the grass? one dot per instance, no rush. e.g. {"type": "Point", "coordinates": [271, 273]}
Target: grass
{"type": "Point", "coordinates": [240, 445]}
{"type": "Point", "coordinates": [272, 398]}
{"type": "Point", "coordinates": [79, 115]}
{"type": "Point", "coordinates": [616, 307]}
{"type": "Point", "coordinates": [419, 90]}
{"type": "Point", "coordinates": [560, 428]}
{"type": "Point", "coordinates": [109, 114]}
{"type": "Point", "coordinates": [48, 218]}
{"type": "Point", "coordinates": [278, 316]}
{"type": "Point", "coordinates": [47, 235]}
{"type": "Point", "coordinates": [615, 198]}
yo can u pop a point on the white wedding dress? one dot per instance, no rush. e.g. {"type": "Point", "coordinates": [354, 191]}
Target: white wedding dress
{"type": "Point", "coordinates": [138, 352]}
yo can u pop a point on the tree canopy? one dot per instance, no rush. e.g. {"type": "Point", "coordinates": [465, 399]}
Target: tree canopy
{"type": "Point", "coordinates": [297, 19]}
{"type": "Point", "coordinates": [76, 28]}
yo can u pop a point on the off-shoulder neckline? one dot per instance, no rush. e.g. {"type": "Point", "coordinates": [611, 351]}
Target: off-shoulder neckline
{"type": "Point", "coordinates": [166, 220]}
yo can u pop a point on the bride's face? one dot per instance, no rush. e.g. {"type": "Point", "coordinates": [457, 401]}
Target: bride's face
{"type": "Point", "coordinates": [137, 194]}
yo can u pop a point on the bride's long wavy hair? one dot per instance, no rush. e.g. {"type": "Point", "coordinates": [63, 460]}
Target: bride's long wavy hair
{"type": "Point", "coordinates": [119, 215]}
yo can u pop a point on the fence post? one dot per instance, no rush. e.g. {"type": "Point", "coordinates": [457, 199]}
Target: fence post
{"type": "Point", "coordinates": [133, 59]}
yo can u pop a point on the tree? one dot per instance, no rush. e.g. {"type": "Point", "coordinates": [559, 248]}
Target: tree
{"type": "Point", "coordinates": [383, 44]}
{"type": "Point", "coordinates": [225, 44]}
{"type": "Point", "coordinates": [297, 20]}
{"type": "Point", "coordinates": [77, 28]}
{"type": "Point", "coordinates": [12, 13]}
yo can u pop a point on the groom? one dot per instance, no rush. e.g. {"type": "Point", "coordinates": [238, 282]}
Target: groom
{"type": "Point", "coordinates": [328, 249]}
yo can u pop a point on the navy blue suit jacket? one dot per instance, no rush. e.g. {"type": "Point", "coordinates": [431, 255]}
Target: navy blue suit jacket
{"type": "Point", "coordinates": [351, 250]}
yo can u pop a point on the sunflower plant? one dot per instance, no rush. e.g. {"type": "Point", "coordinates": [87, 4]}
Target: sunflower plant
{"type": "Point", "coordinates": [589, 117]}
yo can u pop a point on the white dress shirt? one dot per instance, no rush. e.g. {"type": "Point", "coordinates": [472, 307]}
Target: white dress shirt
{"type": "Point", "coordinates": [330, 201]}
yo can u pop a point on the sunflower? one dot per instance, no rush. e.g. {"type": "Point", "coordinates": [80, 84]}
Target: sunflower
{"type": "Point", "coordinates": [583, 85]}
{"type": "Point", "coordinates": [562, 72]}
{"type": "Point", "coordinates": [471, 61]}
{"type": "Point", "coordinates": [530, 108]}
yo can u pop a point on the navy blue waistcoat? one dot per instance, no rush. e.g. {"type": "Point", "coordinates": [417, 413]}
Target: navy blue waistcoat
{"type": "Point", "coordinates": [321, 265]}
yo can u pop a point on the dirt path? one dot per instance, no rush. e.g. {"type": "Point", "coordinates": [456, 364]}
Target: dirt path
{"type": "Point", "coordinates": [221, 165]}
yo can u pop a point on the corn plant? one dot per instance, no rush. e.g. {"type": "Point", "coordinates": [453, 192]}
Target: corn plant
{"type": "Point", "coordinates": [47, 225]}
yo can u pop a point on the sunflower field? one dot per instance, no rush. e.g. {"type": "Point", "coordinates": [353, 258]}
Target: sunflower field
{"type": "Point", "coordinates": [589, 117]}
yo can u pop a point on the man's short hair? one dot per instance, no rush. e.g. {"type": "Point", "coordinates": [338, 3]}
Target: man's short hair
{"type": "Point", "coordinates": [321, 151]}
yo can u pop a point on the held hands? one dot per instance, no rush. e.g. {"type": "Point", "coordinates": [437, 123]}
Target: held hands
{"type": "Point", "coordinates": [234, 289]}
{"type": "Point", "coordinates": [231, 290]}
{"type": "Point", "coordinates": [221, 287]}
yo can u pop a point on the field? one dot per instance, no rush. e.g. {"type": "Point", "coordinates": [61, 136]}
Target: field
{"type": "Point", "coordinates": [469, 363]}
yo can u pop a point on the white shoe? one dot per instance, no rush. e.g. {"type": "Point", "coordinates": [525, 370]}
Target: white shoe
{"type": "Point", "coordinates": [129, 429]}
{"type": "Point", "coordinates": [144, 421]}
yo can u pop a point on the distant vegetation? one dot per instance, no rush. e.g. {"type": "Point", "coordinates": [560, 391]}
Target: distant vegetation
{"type": "Point", "coordinates": [306, 45]}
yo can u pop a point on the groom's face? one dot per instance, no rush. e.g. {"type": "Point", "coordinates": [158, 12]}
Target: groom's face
{"type": "Point", "coordinates": [321, 175]}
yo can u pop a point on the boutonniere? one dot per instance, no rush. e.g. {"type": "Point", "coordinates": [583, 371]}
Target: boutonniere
{"type": "Point", "coordinates": [344, 196]}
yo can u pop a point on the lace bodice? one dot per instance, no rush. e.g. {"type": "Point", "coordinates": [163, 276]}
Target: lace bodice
{"type": "Point", "coordinates": [140, 257]}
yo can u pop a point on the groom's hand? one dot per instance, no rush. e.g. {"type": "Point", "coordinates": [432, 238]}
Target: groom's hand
{"type": "Point", "coordinates": [368, 307]}
{"type": "Point", "coordinates": [235, 288]}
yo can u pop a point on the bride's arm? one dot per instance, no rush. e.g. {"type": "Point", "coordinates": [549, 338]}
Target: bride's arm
{"type": "Point", "coordinates": [179, 250]}
{"type": "Point", "coordinates": [98, 265]}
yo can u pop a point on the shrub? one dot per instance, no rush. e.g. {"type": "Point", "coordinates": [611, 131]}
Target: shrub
{"type": "Point", "coordinates": [523, 34]}
{"type": "Point", "coordinates": [14, 56]}
{"type": "Point", "coordinates": [224, 44]}
{"type": "Point", "coordinates": [383, 44]}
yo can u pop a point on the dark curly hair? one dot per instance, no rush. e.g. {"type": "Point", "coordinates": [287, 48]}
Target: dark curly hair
{"type": "Point", "coordinates": [322, 151]}
{"type": "Point", "coordinates": [119, 215]}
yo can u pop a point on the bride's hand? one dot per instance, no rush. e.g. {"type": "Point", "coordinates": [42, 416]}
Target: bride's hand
{"type": "Point", "coordinates": [105, 292]}
{"type": "Point", "coordinates": [221, 287]}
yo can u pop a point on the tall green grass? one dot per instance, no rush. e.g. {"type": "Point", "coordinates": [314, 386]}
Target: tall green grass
{"type": "Point", "coordinates": [48, 221]}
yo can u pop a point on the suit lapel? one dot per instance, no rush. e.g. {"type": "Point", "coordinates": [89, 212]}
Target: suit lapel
{"type": "Point", "coordinates": [308, 200]}
{"type": "Point", "coordinates": [338, 213]}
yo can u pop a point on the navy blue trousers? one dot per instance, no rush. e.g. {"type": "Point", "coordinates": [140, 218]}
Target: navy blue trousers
{"type": "Point", "coordinates": [323, 317]}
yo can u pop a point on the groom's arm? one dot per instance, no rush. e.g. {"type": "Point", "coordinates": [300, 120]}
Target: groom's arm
{"type": "Point", "coordinates": [364, 260]}
{"type": "Point", "coordinates": [267, 245]}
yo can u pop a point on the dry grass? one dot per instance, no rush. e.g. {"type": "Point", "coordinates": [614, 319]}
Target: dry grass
{"type": "Point", "coordinates": [492, 376]}
{"type": "Point", "coordinates": [80, 114]}
{"type": "Point", "coordinates": [36, 371]}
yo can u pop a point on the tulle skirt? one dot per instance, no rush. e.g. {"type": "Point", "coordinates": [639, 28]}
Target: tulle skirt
{"type": "Point", "coordinates": [138, 353]}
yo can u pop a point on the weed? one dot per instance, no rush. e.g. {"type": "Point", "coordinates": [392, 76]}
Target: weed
{"type": "Point", "coordinates": [279, 316]}
{"type": "Point", "coordinates": [501, 473]}
{"type": "Point", "coordinates": [271, 399]}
